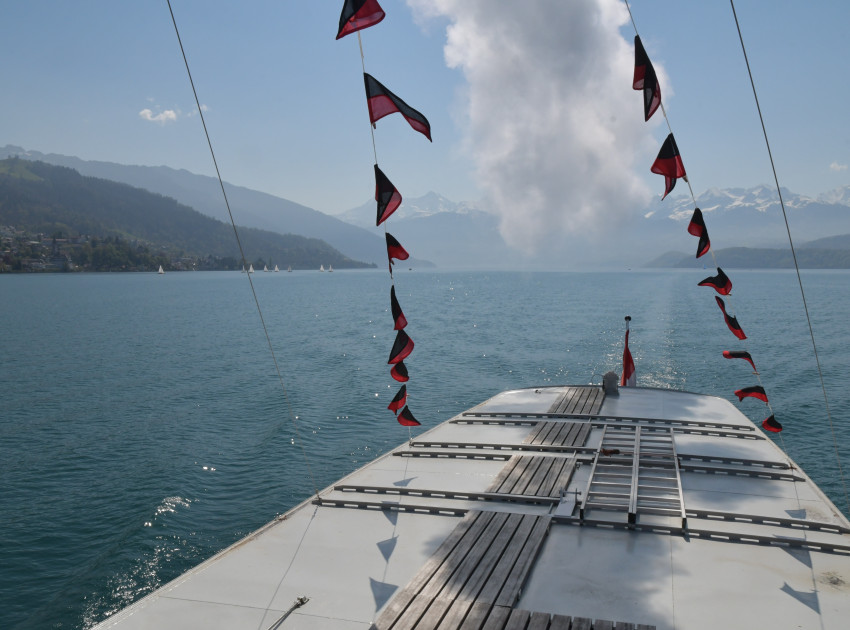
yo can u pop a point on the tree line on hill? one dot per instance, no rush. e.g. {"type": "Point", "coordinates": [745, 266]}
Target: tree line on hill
{"type": "Point", "coordinates": [100, 225]}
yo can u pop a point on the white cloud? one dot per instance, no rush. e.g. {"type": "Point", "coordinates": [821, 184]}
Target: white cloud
{"type": "Point", "coordinates": [835, 166]}
{"type": "Point", "coordinates": [167, 116]}
{"type": "Point", "coordinates": [552, 123]}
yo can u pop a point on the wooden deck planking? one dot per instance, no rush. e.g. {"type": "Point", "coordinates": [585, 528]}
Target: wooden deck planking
{"type": "Point", "coordinates": [586, 400]}
{"type": "Point", "coordinates": [518, 619]}
{"type": "Point", "coordinates": [509, 593]}
{"type": "Point", "coordinates": [469, 528]}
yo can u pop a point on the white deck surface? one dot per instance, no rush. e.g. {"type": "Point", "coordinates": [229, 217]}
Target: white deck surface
{"type": "Point", "coordinates": [350, 561]}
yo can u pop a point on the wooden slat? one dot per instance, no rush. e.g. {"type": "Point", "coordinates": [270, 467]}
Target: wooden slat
{"type": "Point", "coordinates": [564, 433]}
{"type": "Point", "coordinates": [506, 470]}
{"type": "Point", "coordinates": [517, 483]}
{"type": "Point", "coordinates": [516, 579]}
{"type": "Point", "coordinates": [498, 618]}
{"type": "Point", "coordinates": [491, 589]}
{"type": "Point", "coordinates": [469, 528]}
{"type": "Point", "coordinates": [476, 617]}
{"type": "Point", "coordinates": [548, 487]}
{"type": "Point", "coordinates": [538, 621]}
{"type": "Point", "coordinates": [624, 625]}
{"type": "Point", "coordinates": [518, 619]}
{"type": "Point", "coordinates": [535, 431]}
{"type": "Point", "coordinates": [603, 624]}
{"type": "Point", "coordinates": [582, 623]}
{"type": "Point", "coordinates": [540, 475]}
{"type": "Point", "coordinates": [581, 438]}
{"type": "Point", "coordinates": [564, 478]}
{"type": "Point", "coordinates": [473, 560]}
{"type": "Point", "coordinates": [560, 622]}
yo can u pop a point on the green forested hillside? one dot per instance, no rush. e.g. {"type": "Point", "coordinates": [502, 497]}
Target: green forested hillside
{"type": "Point", "coordinates": [41, 198]}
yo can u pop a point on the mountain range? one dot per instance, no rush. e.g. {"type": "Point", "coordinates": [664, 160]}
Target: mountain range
{"type": "Point", "coordinates": [464, 235]}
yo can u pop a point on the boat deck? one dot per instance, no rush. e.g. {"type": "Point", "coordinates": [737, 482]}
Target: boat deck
{"type": "Point", "coordinates": [554, 507]}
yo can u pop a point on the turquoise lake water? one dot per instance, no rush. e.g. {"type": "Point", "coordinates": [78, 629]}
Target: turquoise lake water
{"type": "Point", "coordinates": [143, 426]}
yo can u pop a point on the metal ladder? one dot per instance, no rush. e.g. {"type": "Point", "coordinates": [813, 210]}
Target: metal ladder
{"type": "Point", "coordinates": [635, 470]}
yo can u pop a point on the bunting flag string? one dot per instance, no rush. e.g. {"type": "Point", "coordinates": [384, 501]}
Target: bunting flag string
{"type": "Point", "coordinates": [697, 228]}
{"type": "Point", "coordinates": [395, 250]}
{"type": "Point", "coordinates": [400, 321]}
{"type": "Point", "coordinates": [645, 79]}
{"type": "Point", "coordinates": [399, 372]}
{"type": "Point", "coordinates": [387, 196]}
{"type": "Point", "coordinates": [740, 354]}
{"type": "Point", "coordinates": [720, 283]}
{"type": "Point", "coordinates": [771, 424]}
{"type": "Point", "coordinates": [756, 391]}
{"type": "Point", "coordinates": [357, 15]}
{"type": "Point", "coordinates": [731, 321]}
{"type": "Point", "coordinates": [382, 102]}
{"type": "Point", "coordinates": [399, 401]}
{"type": "Point", "coordinates": [405, 418]}
{"type": "Point", "coordinates": [669, 163]}
{"type": "Point", "coordinates": [402, 347]}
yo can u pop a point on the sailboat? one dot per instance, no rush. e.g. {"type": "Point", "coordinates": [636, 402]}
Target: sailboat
{"type": "Point", "coordinates": [330, 267]}
{"type": "Point", "coordinates": [161, 271]}
{"type": "Point", "coordinates": [250, 268]}
{"type": "Point", "coordinates": [321, 267]}
{"type": "Point", "coordinates": [276, 269]}
{"type": "Point", "coordinates": [609, 505]}
{"type": "Point", "coordinates": [266, 268]}
{"type": "Point", "coordinates": [289, 269]}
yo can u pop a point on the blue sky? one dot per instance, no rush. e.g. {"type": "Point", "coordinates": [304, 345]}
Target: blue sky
{"type": "Point", "coordinates": [531, 117]}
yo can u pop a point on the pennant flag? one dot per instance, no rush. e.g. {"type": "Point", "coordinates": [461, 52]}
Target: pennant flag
{"type": "Point", "coordinates": [628, 379]}
{"type": "Point", "coordinates": [398, 317]}
{"type": "Point", "coordinates": [382, 102]}
{"type": "Point", "coordinates": [399, 401]}
{"type": "Point", "coordinates": [720, 283]}
{"type": "Point", "coordinates": [405, 418]}
{"type": "Point", "coordinates": [697, 228]}
{"type": "Point", "coordinates": [740, 354]}
{"type": "Point", "coordinates": [402, 347]}
{"type": "Point", "coordinates": [399, 372]}
{"type": "Point", "coordinates": [388, 198]}
{"type": "Point", "coordinates": [771, 424]}
{"type": "Point", "coordinates": [646, 80]}
{"type": "Point", "coordinates": [731, 322]}
{"type": "Point", "coordinates": [669, 164]}
{"type": "Point", "coordinates": [395, 250]}
{"type": "Point", "coordinates": [757, 391]}
{"type": "Point", "coordinates": [357, 15]}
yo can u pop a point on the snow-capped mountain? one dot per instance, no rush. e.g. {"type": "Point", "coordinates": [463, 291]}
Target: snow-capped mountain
{"type": "Point", "coordinates": [417, 208]}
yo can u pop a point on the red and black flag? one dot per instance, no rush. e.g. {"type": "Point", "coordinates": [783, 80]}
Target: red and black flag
{"type": "Point", "coordinates": [756, 391]}
{"type": "Point", "coordinates": [720, 283]}
{"type": "Point", "coordinates": [357, 15]}
{"type": "Point", "coordinates": [382, 102]}
{"type": "Point", "coordinates": [405, 418]}
{"type": "Point", "coordinates": [395, 250]}
{"type": "Point", "coordinates": [697, 228]}
{"type": "Point", "coordinates": [399, 401]}
{"type": "Point", "coordinates": [387, 196]}
{"type": "Point", "coordinates": [398, 316]}
{"type": "Point", "coordinates": [646, 80]}
{"type": "Point", "coordinates": [628, 378]}
{"type": "Point", "coordinates": [731, 322]}
{"type": "Point", "coordinates": [771, 424]}
{"type": "Point", "coordinates": [399, 372]}
{"type": "Point", "coordinates": [669, 164]}
{"type": "Point", "coordinates": [740, 354]}
{"type": "Point", "coordinates": [402, 347]}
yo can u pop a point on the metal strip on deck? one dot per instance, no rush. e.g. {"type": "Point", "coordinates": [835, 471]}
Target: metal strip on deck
{"type": "Point", "coordinates": [485, 561]}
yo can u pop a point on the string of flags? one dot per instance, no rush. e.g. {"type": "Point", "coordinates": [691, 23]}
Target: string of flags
{"type": "Point", "coordinates": [357, 15]}
{"type": "Point", "coordinates": [669, 164]}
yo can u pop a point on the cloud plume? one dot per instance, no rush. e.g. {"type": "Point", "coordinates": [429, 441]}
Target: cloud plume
{"type": "Point", "coordinates": [553, 126]}
{"type": "Point", "coordinates": [167, 116]}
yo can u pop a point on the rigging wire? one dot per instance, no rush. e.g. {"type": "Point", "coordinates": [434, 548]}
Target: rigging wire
{"type": "Point", "coordinates": [794, 256]}
{"type": "Point", "coordinates": [292, 417]}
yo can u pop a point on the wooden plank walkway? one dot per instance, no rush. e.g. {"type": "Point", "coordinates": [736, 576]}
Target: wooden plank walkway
{"type": "Point", "coordinates": [559, 433]}
{"type": "Point", "coordinates": [485, 560]}
{"type": "Point", "coordinates": [534, 475]}
{"type": "Point", "coordinates": [586, 400]}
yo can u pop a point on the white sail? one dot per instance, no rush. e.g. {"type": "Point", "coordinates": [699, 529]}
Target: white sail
{"type": "Point", "coordinates": [250, 268]}
{"type": "Point", "coordinates": [160, 270]}
{"type": "Point", "coordinates": [275, 268]}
